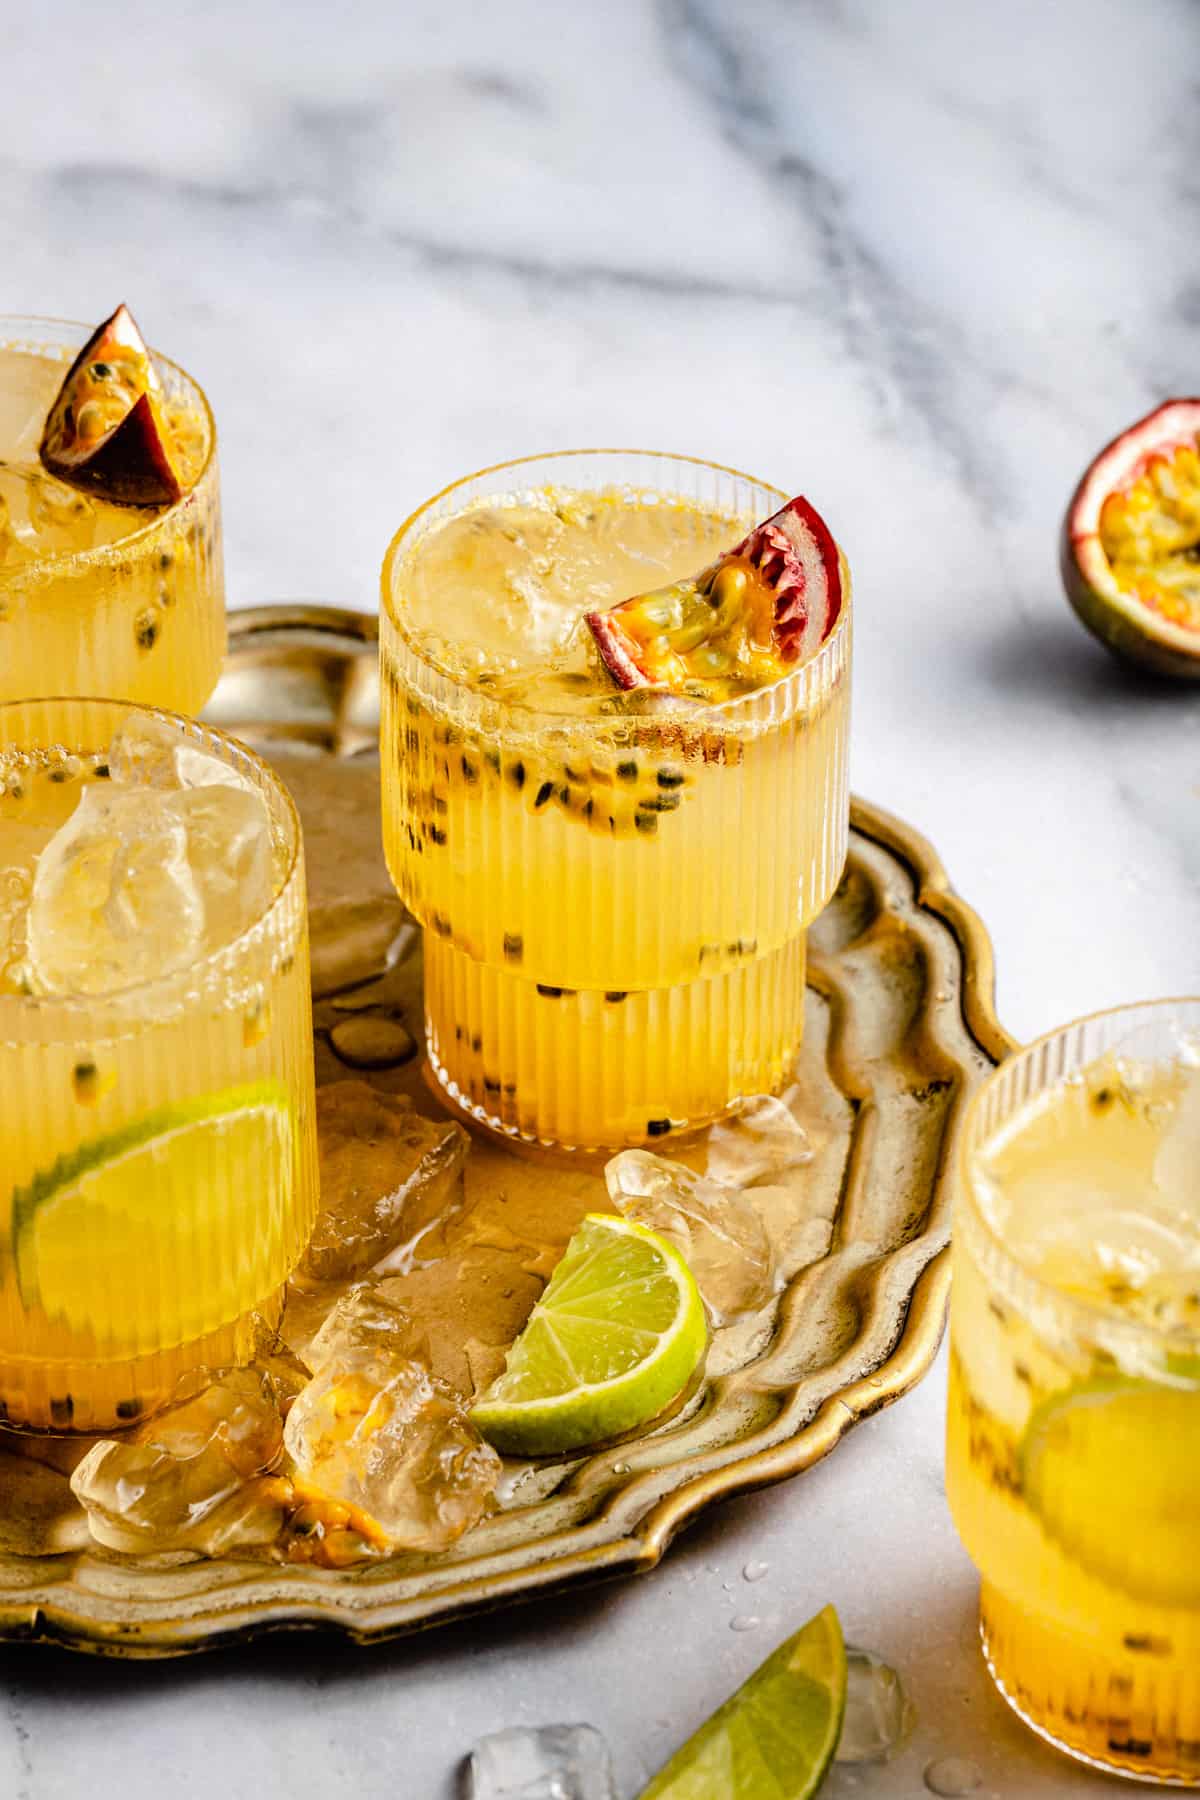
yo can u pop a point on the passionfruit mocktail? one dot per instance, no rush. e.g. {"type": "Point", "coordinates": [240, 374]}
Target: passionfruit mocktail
{"type": "Point", "coordinates": [100, 595]}
{"type": "Point", "coordinates": [157, 1151]}
{"type": "Point", "coordinates": [614, 881]}
{"type": "Point", "coordinates": [1073, 1455]}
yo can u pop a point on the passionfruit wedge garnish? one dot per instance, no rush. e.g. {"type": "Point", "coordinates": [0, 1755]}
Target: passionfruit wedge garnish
{"type": "Point", "coordinates": [1131, 542]}
{"type": "Point", "coordinates": [105, 432]}
{"type": "Point", "coordinates": [742, 622]}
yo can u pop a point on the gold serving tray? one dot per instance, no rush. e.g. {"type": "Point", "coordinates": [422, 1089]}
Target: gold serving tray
{"type": "Point", "coordinates": [900, 1028]}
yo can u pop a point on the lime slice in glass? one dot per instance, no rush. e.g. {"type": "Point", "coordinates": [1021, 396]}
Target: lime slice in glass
{"type": "Point", "coordinates": [1112, 1469]}
{"type": "Point", "coordinates": [775, 1738]}
{"type": "Point", "coordinates": [615, 1338]}
{"type": "Point", "coordinates": [173, 1220]}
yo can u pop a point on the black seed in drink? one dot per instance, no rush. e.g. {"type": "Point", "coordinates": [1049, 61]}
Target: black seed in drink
{"type": "Point", "coordinates": [412, 707]}
{"type": "Point", "coordinates": [101, 371]}
{"type": "Point", "coordinates": [165, 595]}
{"type": "Point", "coordinates": [657, 1127]}
{"type": "Point", "coordinates": [458, 1034]}
{"type": "Point", "coordinates": [671, 778]}
{"type": "Point", "coordinates": [469, 770]}
{"type": "Point", "coordinates": [492, 759]}
{"type": "Point", "coordinates": [62, 1411]}
{"type": "Point", "coordinates": [627, 771]}
{"type": "Point", "coordinates": [516, 773]}
{"type": "Point", "coordinates": [743, 947]}
{"type": "Point", "coordinates": [441, 924]}
{"type": "Point", "coordinates": [573, 774]}
{"type": "Point", "coordinates": [543, 794]}
{"type": "Point", "coordinates": [166, 559]}
{"type": "Point", "coordinates": [146, 629]}
{"type": "Point", "coordinates": [707, 952]}
{"type": "Point", "coordinates": [491, 1085]}
{"type": "Point", "coordinates": [439, 804]}
{"type": "Point", "coordinates": [659, 803]}
{"type": "Point", "coordinates": [615, 995]}
{"type": "Point", "coordinates": [129, 1409]}
{"type": "Point", "coordinates": [589, 807]}
{"type": "Point", "coordinates": [564, 797]}
{"type": "Point", "coordinates": [436, 835]}
{"type": "Point", "coordinates": [85, 1080]}
{"type": "Point", "coordinates": [477, 1044]}
{"type": "Point", "coordinates": [510, 1090]}
{"type": "Point", "coordinates": [514, 946]}
{"type": "Point", "coordinates": [646, 822]}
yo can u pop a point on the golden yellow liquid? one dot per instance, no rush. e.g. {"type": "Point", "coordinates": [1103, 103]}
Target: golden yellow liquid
{"type": "Point", "coordinates": [1085, 1533]}
{"type": "Point", "coordinates": [224, 1225]}
{"type": "Point", "coordinates": [614, 891]}
{"type": "Point", "coordinates": [127, 602]}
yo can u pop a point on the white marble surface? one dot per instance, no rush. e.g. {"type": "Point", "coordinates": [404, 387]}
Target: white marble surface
{"type": "Point", "coordinates": [916, 258]}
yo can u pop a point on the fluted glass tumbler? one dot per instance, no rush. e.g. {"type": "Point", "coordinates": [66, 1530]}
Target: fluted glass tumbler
{"type": "Point", "coordinates": [614, 902]}
{"type": "Point", "coordinates": [1073, 1446]}
{"type": "Point", "coordinates": [158, 1166]}
{"type": "Point", "coordinates": [96, 598]}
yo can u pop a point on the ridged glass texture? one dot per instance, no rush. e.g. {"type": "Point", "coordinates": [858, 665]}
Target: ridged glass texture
{"type": "Point", "coordinates": [1091, 1627]}
{"type": "Point", "coordinates": [142, 619]}
{"type": "Point", "coordinates": [232, 1213]}
{"type": "Point", "coordinates": [633, 853]}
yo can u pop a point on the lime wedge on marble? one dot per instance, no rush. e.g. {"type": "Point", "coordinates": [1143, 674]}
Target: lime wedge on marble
{"type": "Point", "coordinates": [775, 1738]}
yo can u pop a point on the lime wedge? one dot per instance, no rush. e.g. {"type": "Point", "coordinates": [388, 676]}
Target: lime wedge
{"type": "Point", "coordinates": [616, 1336]}
{"type": "Point", "coordinates": [176, 1216]}
{"type": "Point", "coordinates": [775, 1738]}
{"type": "Point", "coordinates": [1112, 1469]}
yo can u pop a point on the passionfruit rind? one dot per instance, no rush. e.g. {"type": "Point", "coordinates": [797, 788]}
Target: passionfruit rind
{"type": "Point", "coordinates": [765, 605]}
{"type": "Point", "coordinates": [104, 432]}
{"type": "Point", "coordinates": [1131, 539]}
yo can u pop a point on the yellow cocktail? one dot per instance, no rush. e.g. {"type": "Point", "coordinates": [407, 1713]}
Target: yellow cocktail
{"type": "Point", "coordinates": [614, 885]}
{"type": "Point", "coordinates": [1073, 1454]}
{"type": "Point", "coordinates": [99, 598]}
{"type": "Point", "coordinates": [157, 1156]}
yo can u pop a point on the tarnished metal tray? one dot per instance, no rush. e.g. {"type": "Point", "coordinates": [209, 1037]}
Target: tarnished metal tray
{"type": "Point", "coordinates": [900, 1027]}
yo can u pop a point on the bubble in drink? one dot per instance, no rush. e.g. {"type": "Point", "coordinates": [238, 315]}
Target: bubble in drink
{"type": "Point", "coordinates": [952, 1777]}
{"type": "Point", "coordinates": [879, 1717]}
{"type": "Point", "coordinates": [551, 1762]}
{"type": "Point", "coordinates": [717, 1229]}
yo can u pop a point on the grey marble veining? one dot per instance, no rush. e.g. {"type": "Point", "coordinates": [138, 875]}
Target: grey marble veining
{"type": "Point", "coordinates": [918, 259]}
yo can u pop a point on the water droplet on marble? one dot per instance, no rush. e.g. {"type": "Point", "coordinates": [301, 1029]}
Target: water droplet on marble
{"type": "Point", "coordinates": [744, 1622]}
{"type": "Point", "coordinates": [879, 1716]}
{"type": "Point", "coordinates": [754, 1571]}
{"type": "Point", "coordinates": [953, 1776]}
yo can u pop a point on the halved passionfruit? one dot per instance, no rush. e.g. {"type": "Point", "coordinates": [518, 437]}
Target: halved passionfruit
{"type": "Point", "coordinates": [740, 623]}
{"type": "Point", "coordinates": [1130, 551]}
{"type": "Point", "coordinates": [105, 432]}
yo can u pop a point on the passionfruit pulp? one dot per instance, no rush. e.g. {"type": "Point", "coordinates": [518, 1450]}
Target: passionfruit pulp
{"type": "Point", "coordinates": [1130, 552]}
{"type": "Point", "coordinates": [105, 431]}
{"type": "Point", "coordinates": [741, 622]}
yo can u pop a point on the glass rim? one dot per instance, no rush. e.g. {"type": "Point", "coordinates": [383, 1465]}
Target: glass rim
{"type": "Point", "coordinates": [1073, 1306]}
{"type": "Point", "coordinates": [829, 652]}
{"type": "Point", "coordinates": [137, 999]}
{"type": "Point", "coordinates": [59, 560]}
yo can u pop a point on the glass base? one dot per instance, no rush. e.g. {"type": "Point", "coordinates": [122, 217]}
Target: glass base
{"type": "Point", "coordinates": [591, 1070]}
{"type": "Point", "coordinates": [66, 1398]}
{"type": "Point", "coordinates": [1137, 1715]}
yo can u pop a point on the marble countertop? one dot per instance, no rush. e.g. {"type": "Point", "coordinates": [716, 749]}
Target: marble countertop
{"type": "Point", "coordinates": [914, 259]}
